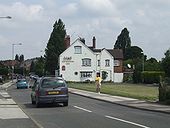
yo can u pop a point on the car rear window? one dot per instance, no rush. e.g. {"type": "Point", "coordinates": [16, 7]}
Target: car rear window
{"type": "Point", "coordinates": [21, 80]}
{"type": "Point", "coordinates": [52, 83]}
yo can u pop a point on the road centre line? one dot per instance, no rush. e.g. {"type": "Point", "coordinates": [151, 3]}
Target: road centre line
{"type": "Point", "coordinates": [125, 121]}
{"type": "Point", "coordinates": [82, 109]}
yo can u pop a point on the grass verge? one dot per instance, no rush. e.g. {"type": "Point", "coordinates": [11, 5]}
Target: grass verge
{"type": "Point", "coordinates": [142, 92]}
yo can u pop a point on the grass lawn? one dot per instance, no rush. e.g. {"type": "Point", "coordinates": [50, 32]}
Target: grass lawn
{"type": "Point", "coordinates": [138, 91]}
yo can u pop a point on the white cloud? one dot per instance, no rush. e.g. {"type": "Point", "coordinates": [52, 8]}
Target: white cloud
{"type": "Point", "coordinates": [99, 7]}
{"type": "Point", "coordinates": [32, 22]}
{"type": "Point", "coordinates": [25, 12]}
{"type": "Point", "coordinates": [22, 11]}
{"type": "Point", "coordinates": [68, 10]}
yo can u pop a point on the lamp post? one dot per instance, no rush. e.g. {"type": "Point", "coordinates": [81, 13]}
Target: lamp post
{"type": "Point", "coordinates": [13, 58]}
{"type": "Point", "coordinates": [7, 17]}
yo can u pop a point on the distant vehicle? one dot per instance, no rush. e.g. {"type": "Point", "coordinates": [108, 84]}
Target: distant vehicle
{"type": "Point", "coordinates": [1, 79]}
{"type": "Point", "coordinates": [22, 83]}
{"type": "Point", "coordinates": [34, 76]}
{"type": "Point", "coordinates": [49, 90]}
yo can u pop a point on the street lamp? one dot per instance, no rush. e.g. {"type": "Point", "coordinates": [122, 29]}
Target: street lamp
{"type": "Point", "coordinates": [13, 58]}
{"type": "Point", "coordinates": [7, 17]}
{"type": "Point", "coordinates": [143, 62]}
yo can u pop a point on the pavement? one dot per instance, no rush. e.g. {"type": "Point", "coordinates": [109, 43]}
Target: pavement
{"type": "Point", "coordinates": [10, 110]}
{"type": "Point", "coordinates": [11, 115]}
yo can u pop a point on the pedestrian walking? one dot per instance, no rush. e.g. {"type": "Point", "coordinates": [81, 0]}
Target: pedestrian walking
{"type": "Point", "coordinates": [98, 81]}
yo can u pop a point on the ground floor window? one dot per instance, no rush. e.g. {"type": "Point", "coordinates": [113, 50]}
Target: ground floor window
{"type": "Point", "coordinates": [86, 74]}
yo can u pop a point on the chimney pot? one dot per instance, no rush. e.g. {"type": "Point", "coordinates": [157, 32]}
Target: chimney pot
{"type": "Point", "coordinates": [94, 42]}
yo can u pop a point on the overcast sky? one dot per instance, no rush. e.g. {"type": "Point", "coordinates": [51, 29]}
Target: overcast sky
{"type": "Point", "coordinates": [148, 22]}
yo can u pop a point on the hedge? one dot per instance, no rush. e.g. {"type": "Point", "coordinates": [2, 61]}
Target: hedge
{"type": "Point", "coordinates": [151, 77]}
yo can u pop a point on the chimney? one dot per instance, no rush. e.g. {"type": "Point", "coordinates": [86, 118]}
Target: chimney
{"type": "Point", "coordinates": [67, 41]}
{"type": "Point", "coordinates": [94, 42]}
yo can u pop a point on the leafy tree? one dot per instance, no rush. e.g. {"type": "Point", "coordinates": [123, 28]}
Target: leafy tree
{"type": "Point", "coordinates": [123, 41]}
{"type": "Point", "coordinates": [21, 58]}
{"type": "Point", "coordinates": [32, 67]}
{"type": "Point", "coordinates": [39, 66]}
{"type": "Point", "coordinates": [166, 63]}
{"type": "Point", "coordinates": [17, 57]}
{"type": "Point", "coordinates": [152, 65]}
{"type": "Point", "coordinates": [55, 47]}
{"type": "Point", "coordinates": [3, 70]}
{"type": "Point", "coordinates": [133, 52]}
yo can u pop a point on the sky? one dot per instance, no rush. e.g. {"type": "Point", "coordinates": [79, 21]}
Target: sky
{"type": "Point", "coordinates": [148, 23]}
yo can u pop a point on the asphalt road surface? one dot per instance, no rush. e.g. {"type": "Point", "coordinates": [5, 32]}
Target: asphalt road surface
{"type": "Point", "coordinates": [83, 112]}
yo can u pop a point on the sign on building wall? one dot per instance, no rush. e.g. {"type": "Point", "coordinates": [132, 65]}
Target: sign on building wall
{"type": "Point", "coordinates": [67, 60]}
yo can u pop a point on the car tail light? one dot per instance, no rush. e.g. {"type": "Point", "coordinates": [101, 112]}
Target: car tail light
{"type": "Point", "coordinates": [37, 93]}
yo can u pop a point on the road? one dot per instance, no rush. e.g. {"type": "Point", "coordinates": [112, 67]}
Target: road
{"type": "Point", "coordinates": [83, 112]}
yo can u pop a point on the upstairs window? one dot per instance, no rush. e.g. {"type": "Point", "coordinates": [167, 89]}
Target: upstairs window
{"type": "Point", "coordinates": [77, 49]}
{"type": "Point", "coordinates": [86, 62]}
{"type": "Point", "coordinates": [107, 63]}
{"type": "Point", "coordinates": [116, 63]}
{"type": "Point", "coordinates": [98, 62]}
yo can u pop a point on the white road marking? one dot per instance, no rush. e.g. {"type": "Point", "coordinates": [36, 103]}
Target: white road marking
{"type": "Point", "coordinates": [125, 121]}
{"type": "Point", "coordinates": [82, 109]}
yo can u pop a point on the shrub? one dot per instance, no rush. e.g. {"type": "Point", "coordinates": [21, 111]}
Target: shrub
{"type": "Point", "coordinates": [151, 77]}
{"type": "Point", "coordinates": [164, 90]}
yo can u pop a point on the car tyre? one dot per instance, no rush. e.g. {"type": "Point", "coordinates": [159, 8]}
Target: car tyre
{"type": "Point", "coordinates": [33, 102]}
{"type": "Point", "coordinates": [37, 104]}
{"type": "Point", "coordinates": [65, 103]}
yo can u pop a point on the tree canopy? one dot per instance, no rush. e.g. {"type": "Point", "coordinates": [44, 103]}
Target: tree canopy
{"type": "Point", "coordinates": [55, 47]}
{"type": "Point", "coordinates": [123, 41]}
{"type": "Point", "coordinates": [133, 52]}
{"type": "Point", "coordinates": [166, 63]}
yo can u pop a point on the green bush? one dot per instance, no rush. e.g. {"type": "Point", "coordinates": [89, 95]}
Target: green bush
{"type": "Point", "coordinates": [151, 77]}
{"type": "Point", "coordinates": [164, 90]}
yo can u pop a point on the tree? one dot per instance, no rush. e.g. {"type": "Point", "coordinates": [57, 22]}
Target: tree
{"type": "Point", "coordinates": [32, 67]}
{"type": "Point", "coordinates": [17, 57]}
{"type": "Point", "coordinates": [39, 66]}
{"type": "Point", "coordinates": [21, 58]}
{"type": "Point", "coordinates": [166, 63]}
{"type": "Point", "coordinates": [152, 65]}
{"type": "Point", "coordinates": [55, 47]}
{"type": "Point", "coordinates": [123, 41]}
{"type": "Point", "coordinates": [133, 52]}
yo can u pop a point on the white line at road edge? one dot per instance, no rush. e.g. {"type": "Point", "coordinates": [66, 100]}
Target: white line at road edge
{"type": "Point", "coordinates": [114, 118]}
{"type": "Point", "coordinates": [82, 109]}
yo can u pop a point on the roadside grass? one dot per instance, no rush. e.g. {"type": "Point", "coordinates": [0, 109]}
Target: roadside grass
{"type": "Point", "coordinates": [137, 91]}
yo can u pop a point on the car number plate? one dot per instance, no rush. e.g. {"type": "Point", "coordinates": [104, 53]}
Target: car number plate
{"type": "Point", "coordinates": [53, 93]}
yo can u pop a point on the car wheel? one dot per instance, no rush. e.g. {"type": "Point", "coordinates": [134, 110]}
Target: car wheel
{"type": "Point", "coordinates": [37, 104]}
{"type": "Point", "coordinates": [17, 87]}
{"type": "Point", "coordinates": [33, 102]}
{"type": "Point", "coordinates": [65, 103]}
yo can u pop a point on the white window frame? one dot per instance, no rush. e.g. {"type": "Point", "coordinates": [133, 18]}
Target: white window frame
{"type": "Point", "coordinates": [77, 49]}
{"type": "Point", "coordinates": [107, 63]}
{"type": "Point", "coordinates": [86, 62]}
{"type": "Point", "coordinates": [85, 74]}
{"type": "Point", "coordinates": [98, 62]}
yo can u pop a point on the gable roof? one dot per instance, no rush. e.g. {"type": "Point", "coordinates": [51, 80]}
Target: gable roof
{"type": "Point", "coordinates": [116, 53]}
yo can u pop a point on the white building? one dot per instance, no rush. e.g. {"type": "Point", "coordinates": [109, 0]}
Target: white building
{"type": "Point", "coordinates": [81, 63]}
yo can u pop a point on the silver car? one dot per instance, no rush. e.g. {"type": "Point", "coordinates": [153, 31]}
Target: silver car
{"type": "Point", "coordinates": [49, 90]}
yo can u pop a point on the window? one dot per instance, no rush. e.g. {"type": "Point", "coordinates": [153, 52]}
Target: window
{"type": "Point", "coordinates": [107, 63]}
{"type": "Point", "coordinates": [86, 62]}
{"type": "Point", "coordinates": [77, 49]}
{"type": "Point", "coordinates": [98, 62]}
{"type": "Point", "coordinates": [86, 74]}
{"type": "Point", "coordinates": [116, 63]}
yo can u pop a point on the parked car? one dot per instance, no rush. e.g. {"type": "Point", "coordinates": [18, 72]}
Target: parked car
{"type": "Point", "coordinates": [49, 90]}
{"type": "Point", "coordinates": [22, 83]}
